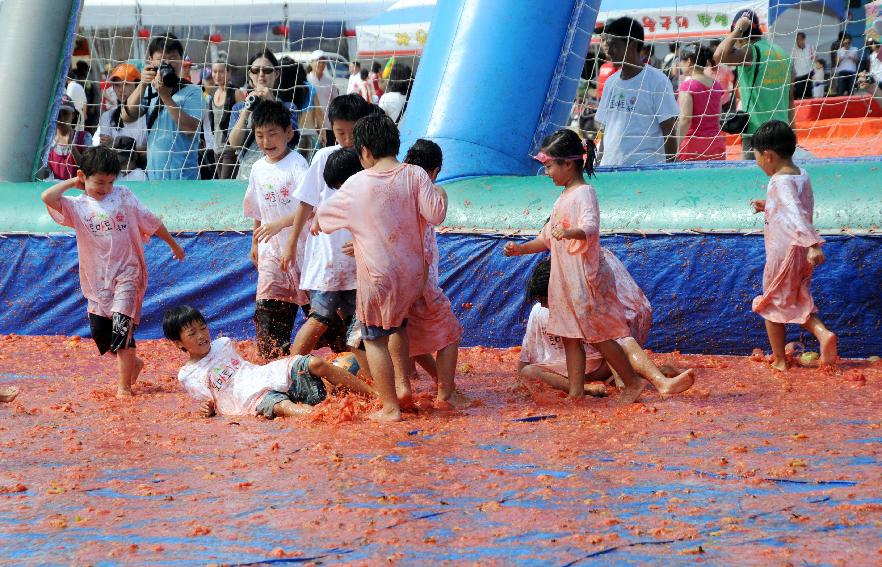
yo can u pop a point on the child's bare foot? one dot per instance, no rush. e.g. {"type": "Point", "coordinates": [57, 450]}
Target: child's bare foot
{"type": "Point", "coordinates": [669, 370]}
{"type": "Point", "coordinates": [387, 415]}
{"type": "Point", "coordinates": [123, 393]}
{"type": "Point", "coordinates": [456, 400]}
{"type": "Point", "coordinates": [404, 393]}
{"type": "Point", "coordinates": [677, 384]}
{"type": "Point", "coordinates": [631, 392]}
{"type": "Point", "coordinates": [595, 389]}
{"type": "Point", "coordinates": [828, 348]}
{"type": "Point", "coordinates": [139, 366]}
{"type": "Point", "coordinates": [779, 365]}
{"type": "Point", "coordinates": [8, 393]}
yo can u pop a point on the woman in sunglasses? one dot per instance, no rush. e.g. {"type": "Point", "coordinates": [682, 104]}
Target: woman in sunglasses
{"type": "Point", "coordinates": [263, 81]}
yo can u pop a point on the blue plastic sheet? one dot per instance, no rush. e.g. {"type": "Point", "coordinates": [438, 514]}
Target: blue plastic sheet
{"type": "Point", "coordinates": [700, 287]}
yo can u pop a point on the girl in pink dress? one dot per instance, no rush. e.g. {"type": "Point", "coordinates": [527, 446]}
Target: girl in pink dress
{"type": "Point", "coordinates": [793, 246]}
{"type": "Point", "coordinates": [700, 98]}
{"type": "Point", "coordinates": [582, 301]}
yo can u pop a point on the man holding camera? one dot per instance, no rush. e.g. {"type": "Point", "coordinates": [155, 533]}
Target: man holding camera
{"type": "Point", "coordinates": [173, 108]}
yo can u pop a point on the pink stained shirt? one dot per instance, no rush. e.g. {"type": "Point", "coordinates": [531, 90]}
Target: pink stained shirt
{"type": "Point", "coordinates": [788, 232]}
{"type": "Point", "coordinates": [110, 242]}
{"type": "Point", "coordinates": [706, 108]}
{"type": "Point", "coordinates": [269, 197]}
{"type": "Point", "coordinates": [387, 214]}
{"type": "Point", "coordinates": [582, 297]}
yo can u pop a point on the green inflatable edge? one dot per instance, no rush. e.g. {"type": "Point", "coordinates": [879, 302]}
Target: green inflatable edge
{"type": "Point", "coordinates": [848, 197]}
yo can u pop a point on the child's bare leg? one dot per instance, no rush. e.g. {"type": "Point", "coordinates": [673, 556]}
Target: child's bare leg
{"type": "Point", "coordinates": [125, 360]}
{"type": "Point", "coordinates": [776, 334]}
{"type": "Point", "coordinates": [446, 366]}
{"type": "Point", "coordinates": [8, 393]}
{"type": "Point", "coordinates": [307, 336]}
{"type": "Point", "coordinates": [826, 338]}
{"type": "Point", "coordinates": [614, 355]}
{"type": "Point", "coordinates": [402, 366]}
{"type": "Point", "coordinates": [382, 370]}
{"type": "Point", "coordinates": [337, 376]}
{"type": "Point", "coordinates": [575, 354]}
{"type": "Point", "coordinates": [427, 361]}
{"type": "Point", "coordinates": [136, 371]}
{"type": "Point", "coordinates": [558, 382]}
{"type": "Point", "coordinates": [288, 408]}
{"type": "Point", "coordinates": [364, 368]}
{"type": "Point", "coordinates": [644, 366]}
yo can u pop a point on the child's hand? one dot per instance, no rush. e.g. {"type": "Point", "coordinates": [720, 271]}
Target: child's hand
{"type": "Point", "coordinates": [315, 228]}
{"type": "Point", "coordinates": [559, 232]}
{"type": "Point", "coordinates": [264, 232]}
{"type": "Point", "coordinates": [206, 409]}
{"type": "Point", "coordinates": [348, 248]}
{"type": "Point", "coordinates": [253, 253]}
{"type": "Point", "coordinates": [759, 205]}
{"type": "Point", "coordinates": [815, 256]}
{"type": "Point", "coordinates": [512, 249]}
{"type": "Point", "coordinates": [177, 251]}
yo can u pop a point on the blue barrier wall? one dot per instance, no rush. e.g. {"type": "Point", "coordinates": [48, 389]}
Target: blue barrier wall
{"type": "Point", "coordinates": [701, 288]}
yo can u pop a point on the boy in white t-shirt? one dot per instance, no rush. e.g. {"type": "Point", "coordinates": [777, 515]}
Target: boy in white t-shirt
{"type": "Point", "coordinates": [227, 384]}
{"type": "Point", "coordinates": [111, 226]}
{"type": "Point", "coordinates": [637, 109]}
{"type": "Point", "coordinates": [327, 273]}
{"type": "Point", "coordinates": [542, 354]}
{"type": "Point", "coordinates": [269, 197]}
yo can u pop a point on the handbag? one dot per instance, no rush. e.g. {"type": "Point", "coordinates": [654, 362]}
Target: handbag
{"type": "Point", "coordinates": [735, 121]}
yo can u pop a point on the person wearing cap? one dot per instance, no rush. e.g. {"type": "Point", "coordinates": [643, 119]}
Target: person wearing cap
{"type": "Point", "coordinates": [637, 109]}
{"type": "Point", "coordinates": [325, 92]}
{"type": "Point", "coordinates": [123, 80]}
{"type": "Point", "coordinates": [765, 80]}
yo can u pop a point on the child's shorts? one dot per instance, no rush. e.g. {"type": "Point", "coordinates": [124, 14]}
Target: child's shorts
{"type": "Point", "coordinates": [324, 305]}
{"type": "Point", "coordinates": [372, 333]}
{"type": "Point", "coordinates": [110, 334]}
{"type": "Point", "coordinates": [305, 389]}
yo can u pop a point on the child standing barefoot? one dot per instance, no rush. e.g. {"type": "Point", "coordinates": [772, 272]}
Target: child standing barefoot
{"type": "Point", "coordinates": [581, 293]}
{"type": "Point", "coordinates": [111, 226]}
{"type": "Point", "coordinates": [793, 246]}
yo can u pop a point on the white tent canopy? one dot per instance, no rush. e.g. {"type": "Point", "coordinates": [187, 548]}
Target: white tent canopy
{"type": "Point", "coordinates": [125, 13]}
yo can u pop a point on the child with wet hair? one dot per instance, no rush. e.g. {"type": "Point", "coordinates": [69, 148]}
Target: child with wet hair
{"type": "Point", "coordinates": [542, 354]}
{"type": "Point", "coordinates": [225, 383]}
{"type": "Point", "coordinates": [793, 246]}
{"type": "Point", "coordinates": [582, 299]}
{"type": "Point", "coordinates": [111, 227]}
{"type": "Point", "coordinates": [387, 208]}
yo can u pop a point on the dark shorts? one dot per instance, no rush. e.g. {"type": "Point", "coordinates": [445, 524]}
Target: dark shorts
{"type": "Point", "coordinates": [324, 305]}
{"type": "Point", "coordinates": [274, 322]}
{"type": "Point", "coordinates": [110, 334]}
{"type": "Point", "coordinates": [372, 333]}
{"type": "Point", "coordinates": [305, 389]}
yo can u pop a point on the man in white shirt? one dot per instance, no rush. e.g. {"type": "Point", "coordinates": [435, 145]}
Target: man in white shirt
{"type": "Point", "coordinates": [354, 85]}
{"type": "Point", "coordinates": [803, 59]}
{"type": "Point", "coordinates": [638, 110]}
{"type": "Point", "coordinates": [847, 58]}
{"type": "Point", "coordinates": [325, 92]}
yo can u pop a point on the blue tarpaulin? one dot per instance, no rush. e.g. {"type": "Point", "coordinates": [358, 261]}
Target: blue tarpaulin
{"type": "Point", "coordinates": [700, 287]}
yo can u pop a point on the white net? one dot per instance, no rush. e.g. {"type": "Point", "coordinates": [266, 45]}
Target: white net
{"type": "Point", "coordinates": [837, 109]}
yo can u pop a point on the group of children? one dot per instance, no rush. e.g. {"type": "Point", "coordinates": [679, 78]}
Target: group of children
{"type": "Point", "coordinates": [349, 240]}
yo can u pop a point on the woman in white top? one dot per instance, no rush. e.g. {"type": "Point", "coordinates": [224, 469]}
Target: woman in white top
{"type": "Point", "coordinates": [394, 100]}
{"type": "Point", "coordinates": [874, 54]}
{"type": "Point", "coordinates": [847, 57]}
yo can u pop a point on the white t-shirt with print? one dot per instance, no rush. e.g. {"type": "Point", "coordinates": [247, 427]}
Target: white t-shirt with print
{"type": "Point", "coordinates": [631, 112]}
{"type": "Point", "coordinates": [325, 266]}
{"type": "Point", "coordinates": [235, 385]}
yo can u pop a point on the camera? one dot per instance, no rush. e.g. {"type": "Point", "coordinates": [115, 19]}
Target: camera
{"type": "Point", "coordinates": [167, 75]}
{"type": "Point", "coordinates": [251, 100]}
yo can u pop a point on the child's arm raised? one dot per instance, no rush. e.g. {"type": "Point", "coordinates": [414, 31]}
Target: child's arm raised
{"type": "Point", "coordinates": [52, 196]}
{"type": "Point", "coordinates": [163, 234]}
{"type": "Point", "coordinates": [533, 247]}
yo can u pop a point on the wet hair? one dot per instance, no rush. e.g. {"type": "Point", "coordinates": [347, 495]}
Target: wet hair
{"type": "Point", "coordinates": [537, 285]}
{"type": "Point", "coordinates": [626, 28]}
{"type": "Point", "coordinates": [271, 113]}
{"type": "Point", "coordinates": [341, 165]}
{"type": "Point", "coordinates": [565, 143]}
{"type": "Point", "coordinates": [349, 108]}
{"type": "Point", "coordinates": [99, 159]}
{"type": "Point", "coordinates": [700, 55]}
{"type": "Point", "coordinates": [165, 43]}
{"type": "Point", "coordinates": [378, 134]}
{"type": "Point", "coordinates": [399, 79]}
{"type": "Point", "coordinates": [424, 153]}
{"type": "Point", "coordinates": [175, 319]}
{"type": "Point", "coordinates": [777, 136]}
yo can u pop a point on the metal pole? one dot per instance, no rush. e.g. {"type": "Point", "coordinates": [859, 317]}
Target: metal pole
{"type": "Point", "coordinates": [28, 28]}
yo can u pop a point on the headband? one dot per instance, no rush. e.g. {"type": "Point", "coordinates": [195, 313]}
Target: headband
{"type": "Point", "coordinates": [544, 158]}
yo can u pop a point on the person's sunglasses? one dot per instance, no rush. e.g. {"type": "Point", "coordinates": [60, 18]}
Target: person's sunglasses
{"type": "Point", "coordinates": [264, 70]}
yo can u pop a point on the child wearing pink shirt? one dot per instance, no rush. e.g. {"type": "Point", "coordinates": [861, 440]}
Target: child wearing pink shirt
{"type": "Point", "coordinates": [111, 228]}
{"type": "Point", "coordinates": [387, 208]}
{"type": "Point", "coordinates": [582, 301]}
{"type": "Point", "coordinates": [269, 197]}
{"type": "Point", "coordinates": [793, 246]}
